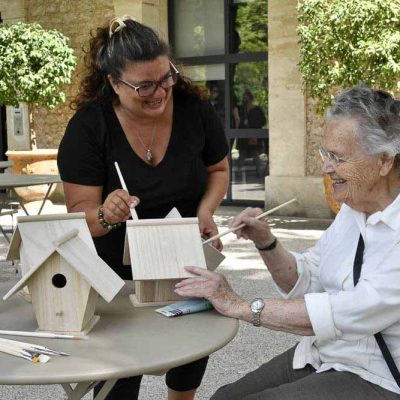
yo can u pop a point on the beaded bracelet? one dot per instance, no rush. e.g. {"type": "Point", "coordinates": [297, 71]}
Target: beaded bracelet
{"type": "Point", "coordinates": [270, 247]}
{"type": "Point", "coordinates": [104, 223]}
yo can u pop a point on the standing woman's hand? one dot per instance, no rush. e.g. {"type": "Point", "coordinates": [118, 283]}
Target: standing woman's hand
{"type": "Point", "coordinates": [117, 206]}
{"type": "Point", "coordinates": [208, 228]}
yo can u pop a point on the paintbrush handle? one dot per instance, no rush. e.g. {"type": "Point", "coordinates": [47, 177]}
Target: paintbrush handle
{"type": "Point", "coordinates": [15, 351]}
{"type": "Point", "coordinates": [123, 184]}
{"type": "Point", "coordinates": [16, 343]}
{"type": "Point", "coordinates": [264, 214]}
{"type": "Point", "coordinates": [41, 334]}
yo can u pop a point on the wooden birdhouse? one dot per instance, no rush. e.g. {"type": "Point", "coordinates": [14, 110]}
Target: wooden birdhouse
{"type": "Point", "coordinates": [158, 250]}
{"type": "Point", "coordinates": [62, 270]}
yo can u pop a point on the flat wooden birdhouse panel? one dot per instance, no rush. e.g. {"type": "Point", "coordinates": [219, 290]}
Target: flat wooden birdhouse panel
{"type": "Point", "coordinates": [59, 296]}
{"type": "Point", "coordinates": [156, 292]}
{"type": "Point", "coordinates": [161, 248]}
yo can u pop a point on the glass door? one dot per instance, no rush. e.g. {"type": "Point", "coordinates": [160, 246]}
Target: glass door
{"type": "Point", "coordinates": [223, 45]}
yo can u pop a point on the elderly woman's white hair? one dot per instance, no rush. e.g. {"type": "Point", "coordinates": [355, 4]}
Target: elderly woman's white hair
{"type": "Point", "coordinates": [378, 115]}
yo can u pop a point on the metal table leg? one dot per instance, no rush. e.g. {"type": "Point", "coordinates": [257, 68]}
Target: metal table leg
{"type": "Point", "coordinates": [45, 198]}
{"type": "Point", "coordinates": [81, 389]}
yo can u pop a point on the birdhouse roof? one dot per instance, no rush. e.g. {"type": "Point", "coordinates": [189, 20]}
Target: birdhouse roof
{"type": "Point", "coordinates": [37, 232]}
{"type": "Point", "coordinates": [42, 239]}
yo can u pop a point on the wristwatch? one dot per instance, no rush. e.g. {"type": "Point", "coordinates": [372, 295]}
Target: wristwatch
{"type": "Point", "coordinates": [257, 306]}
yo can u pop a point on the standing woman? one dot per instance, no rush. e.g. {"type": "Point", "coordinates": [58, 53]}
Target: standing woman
{"type": "Point", "coordinates": [134, 107]}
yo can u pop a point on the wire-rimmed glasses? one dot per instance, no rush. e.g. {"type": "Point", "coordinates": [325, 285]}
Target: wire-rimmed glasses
{"type": "Point", "coordinates": [331, 157]}
{"type": "Point", "coordinates": [148, 88]}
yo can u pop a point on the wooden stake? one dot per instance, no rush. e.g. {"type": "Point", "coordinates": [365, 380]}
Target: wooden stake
{"type": "Point", "coordinates": [123, 184]}
{"type": "Point", "coordinates": [264, 214]}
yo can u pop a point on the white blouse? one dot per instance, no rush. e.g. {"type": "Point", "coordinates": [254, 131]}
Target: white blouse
{"type": "Point", "coordinates": [345, 318]}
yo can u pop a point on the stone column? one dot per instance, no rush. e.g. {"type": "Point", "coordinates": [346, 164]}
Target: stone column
{"type": "Point", "coordinates": [287, 120]}
{"type": "Point", "coordinates": [12, 11]}
{"type": "Point", "coordinates": [153, 13]}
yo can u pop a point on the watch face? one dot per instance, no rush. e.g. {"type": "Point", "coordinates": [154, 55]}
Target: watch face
{"type": "Point", "coordinates": [257, 305]}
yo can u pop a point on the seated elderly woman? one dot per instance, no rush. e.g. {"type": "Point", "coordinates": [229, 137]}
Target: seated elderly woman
{"type": "Point", "coordinates": [345, 313]}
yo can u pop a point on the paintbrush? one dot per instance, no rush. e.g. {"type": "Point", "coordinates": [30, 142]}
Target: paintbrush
{"type": "Point", "coordinates": [48, 335]}
{"type": "Point", "coordinates": [32, 347]}
{"type": "Point", "coordinates": [22, 353]}
{"type": "Point", "coordinates": [123, 184]}
{"type": "Point", "coordinates": [264, 214]}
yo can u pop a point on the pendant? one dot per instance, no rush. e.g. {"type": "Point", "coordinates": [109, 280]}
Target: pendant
{"type": "Point", "coordinates": [149, 156]}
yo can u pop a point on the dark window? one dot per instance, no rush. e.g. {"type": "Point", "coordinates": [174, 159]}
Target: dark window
{"type": "Point", "coordinates": [223, 45]}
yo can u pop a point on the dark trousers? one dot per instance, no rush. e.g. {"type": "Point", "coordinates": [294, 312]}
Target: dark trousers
{"type": "Point", "coordinates": [183, 378]}
{"type": "Point", "coordinates": [277, 380]}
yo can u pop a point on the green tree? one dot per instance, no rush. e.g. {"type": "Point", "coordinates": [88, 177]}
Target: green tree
{"type": "Point", "coordinates": [345, 42]}
{"type": "Point", "coordinates": [34, 63]}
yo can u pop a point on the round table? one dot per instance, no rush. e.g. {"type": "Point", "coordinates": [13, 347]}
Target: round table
{"type": "Point", "coordinates": [127, 341]}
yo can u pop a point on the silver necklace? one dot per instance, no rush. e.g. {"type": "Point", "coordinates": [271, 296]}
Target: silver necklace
{"type": "Point", "coordinates": [149, 154]}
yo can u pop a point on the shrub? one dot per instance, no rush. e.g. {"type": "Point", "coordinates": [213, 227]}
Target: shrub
{"type": "Point", "coordinates": [345, 42]}
{"type": "Point", "coordinates": [34, 63]}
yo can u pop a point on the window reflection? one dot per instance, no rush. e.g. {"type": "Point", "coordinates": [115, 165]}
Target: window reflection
{"type": "Point", "coordinates": [213, 77]}
{"type": "Point", "coordinates": [199, 30]}
{"type": "Point", "coordinates": [249, 151]}
{"type": "Point", "coordinates": [199, 27]}
{"type": "Point", "coordinates": [251, 78]}
{"type": "Point", "coordinates": [249, 30]}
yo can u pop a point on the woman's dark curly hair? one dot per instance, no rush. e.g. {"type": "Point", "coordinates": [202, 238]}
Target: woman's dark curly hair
{"type": "Point", "coordinates": [111, 50]}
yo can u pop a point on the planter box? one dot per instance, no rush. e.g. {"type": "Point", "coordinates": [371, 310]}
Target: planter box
{"type": "Point", "coordinates": [21, 158]}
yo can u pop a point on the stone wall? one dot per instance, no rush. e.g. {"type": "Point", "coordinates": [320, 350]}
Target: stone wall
{"type": "Point", "coordinates": [12, 11]}
{"type": "Point", "coordinates": [75, 19]}
{"type": "Point", "coordinates": [314, 131]}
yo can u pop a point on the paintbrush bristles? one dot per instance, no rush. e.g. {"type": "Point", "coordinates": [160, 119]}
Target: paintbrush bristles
{"type": "Point", "coordinates": [29, 351]}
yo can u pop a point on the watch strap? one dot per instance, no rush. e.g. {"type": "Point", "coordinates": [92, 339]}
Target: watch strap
{"type": "Point", "coordinates": [256, 312]}
{"type": "Point", "coordinates": [256, 318]}
{"type": "Point", "coordinates": [270, 247]}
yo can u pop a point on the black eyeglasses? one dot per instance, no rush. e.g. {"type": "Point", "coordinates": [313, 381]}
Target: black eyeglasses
{"type": "Point", "coordinates": [148, 88]}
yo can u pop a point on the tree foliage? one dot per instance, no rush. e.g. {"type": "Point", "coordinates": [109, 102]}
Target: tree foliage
{"type": "Point", "coordinates": [34, 63]}
{"type": "Point", "coordinates": [252, 20]}
{"type": "Point", "coordinates": [251, 24]}
{"type": "Point", "coordinates": [345, 42]}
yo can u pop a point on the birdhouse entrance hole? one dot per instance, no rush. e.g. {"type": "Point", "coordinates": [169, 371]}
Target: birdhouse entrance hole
{"type": "Point", "coordinates": [59, 280]}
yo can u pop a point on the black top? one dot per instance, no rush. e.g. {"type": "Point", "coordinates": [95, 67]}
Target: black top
{"type": "Point", "coordinates": [251, 118]}
{"type": "Point", "coordinates": [94, 140]}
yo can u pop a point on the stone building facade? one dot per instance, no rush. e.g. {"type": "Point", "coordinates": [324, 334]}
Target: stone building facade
{"type": "Point", "coordinates": [294, 128]}
{"type": "Point", "coordinates": [75, 19]}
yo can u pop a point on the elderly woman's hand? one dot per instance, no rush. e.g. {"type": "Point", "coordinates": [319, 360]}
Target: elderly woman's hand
{"type": "Point", "coordinates": [117, 206]}
{"type": "Point", "coordinates": [256, 230]}
{"type": "Point", "coordinates": [215, 288]}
